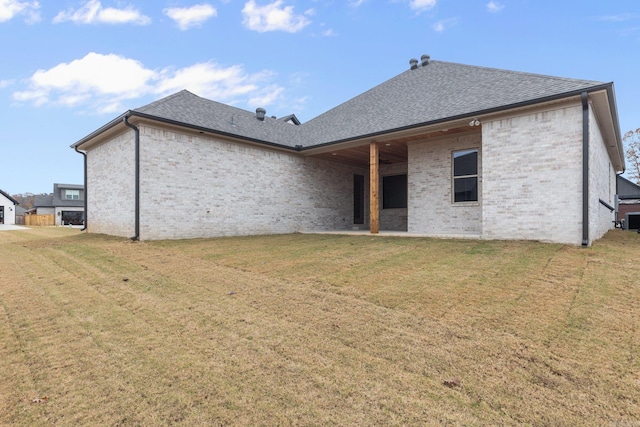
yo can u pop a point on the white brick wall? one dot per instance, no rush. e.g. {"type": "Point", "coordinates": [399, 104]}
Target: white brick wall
{"type": "Point", "coordinates": [110, 182]}
{"type": "Point", "coordinates": [431, 208]}
{"type": "Point", "coordinates": [197, 186]}
{"type": "Point", "coordinates": [530, 177]}
{"type": "Point", "coordinates": [532, 180]}
{"type": "Point", "coordinates": [602, 182]}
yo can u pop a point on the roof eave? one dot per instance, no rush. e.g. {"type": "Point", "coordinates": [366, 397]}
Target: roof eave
{"type": "Point", "coordinates": [616, 123]}
{"type": "Point", "coordinates": [113, 123]}
{"type": "Point", "coordinates": [133, 113]}
{"type": "Point", "coordinates": [14, 201]}
{"type": "Point", "coordinates": [210, 130]}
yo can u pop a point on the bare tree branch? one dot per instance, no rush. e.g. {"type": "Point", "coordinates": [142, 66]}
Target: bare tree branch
{"type": "Point", "coordinates": [631, 141]}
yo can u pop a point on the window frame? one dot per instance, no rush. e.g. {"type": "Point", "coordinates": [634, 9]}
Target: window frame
{"type": "Point", "coordinates": [72, 194]}
{"type": "Point", "coordinates": [455, 177]}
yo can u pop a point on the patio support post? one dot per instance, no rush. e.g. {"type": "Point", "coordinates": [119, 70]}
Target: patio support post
{"type": "Point", "coordinates": [374, 183]}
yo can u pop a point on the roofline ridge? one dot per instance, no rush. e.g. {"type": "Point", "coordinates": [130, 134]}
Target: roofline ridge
{"type": "Point", "coordinates": [164, 99]}
{"type": "Point", "coordinates": [528, 73]}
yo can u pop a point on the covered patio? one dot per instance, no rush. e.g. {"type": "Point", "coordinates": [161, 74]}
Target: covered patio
{"type": "Point", "coordinates": [385, 158]}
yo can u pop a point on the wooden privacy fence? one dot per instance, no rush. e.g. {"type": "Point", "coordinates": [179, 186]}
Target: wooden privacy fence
{"type": "Point", "coordinates": [40, 220]}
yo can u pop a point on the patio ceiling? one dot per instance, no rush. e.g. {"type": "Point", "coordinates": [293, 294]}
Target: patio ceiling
{"type": "Point", "coordinates": [391, 151]}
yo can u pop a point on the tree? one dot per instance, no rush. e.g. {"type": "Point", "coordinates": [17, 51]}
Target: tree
{"type": "Point", "coordinates": [27, 200]}
{"type": "Point", "coordinates": [631, 141]}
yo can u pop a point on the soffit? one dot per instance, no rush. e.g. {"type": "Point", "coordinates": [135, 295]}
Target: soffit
{"type": "Point", "coordinates": [391, 150]}
{"type": "Point", "coordinates": [609, 127]}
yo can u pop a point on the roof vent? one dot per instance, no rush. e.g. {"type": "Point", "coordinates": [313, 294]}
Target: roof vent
{"type": "Point", "coordinates": [260, 113]}
{"type": "Point", "coordinates": [425, 60]}
{"type": "Point", "coordinates": [414, 63]}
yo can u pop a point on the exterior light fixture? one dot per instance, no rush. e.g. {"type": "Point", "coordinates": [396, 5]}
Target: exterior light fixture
{"type": "Point", "coordinates": [474, 122]}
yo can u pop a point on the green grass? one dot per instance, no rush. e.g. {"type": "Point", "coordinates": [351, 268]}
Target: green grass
{"type": "Point", "coordinates": [317, 330]}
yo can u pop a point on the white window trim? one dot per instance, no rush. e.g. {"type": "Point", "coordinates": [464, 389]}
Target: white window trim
{"type": "Point", "coordinates": [72, 194]}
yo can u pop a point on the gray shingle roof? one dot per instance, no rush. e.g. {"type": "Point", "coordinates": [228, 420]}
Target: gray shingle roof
{"type": "Point", "coordinates": [43, 201]}
{"type": "Point", "coordinates": [627, 188]}
{"type": "Point", "coordinates": [436, 92]}
{"type": "Point", "coordinates": [52, 201]}
{"type": "Point", "coordinates": [190, 109]}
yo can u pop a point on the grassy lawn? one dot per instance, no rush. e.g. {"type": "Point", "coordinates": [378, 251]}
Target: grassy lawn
{"type": "Point", "coordinates": [317, 330]}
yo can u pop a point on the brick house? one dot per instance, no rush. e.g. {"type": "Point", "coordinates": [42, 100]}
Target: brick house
{"type": "Point", "coordinates": [628, 204]}
{"type": "Point", "coordinates": [442, 149]}
{"type": "Point", "coordinates": [66, 204]}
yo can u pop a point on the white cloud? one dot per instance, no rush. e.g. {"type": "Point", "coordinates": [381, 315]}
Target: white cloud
{"type": "Point", "coordinates": [272, 17]}
{"type": "Point", "coordinates": [623, 17]}
{"type": "Point", "coordinates": [328, 33]}
{"type": "Point", "coordinates": [5, 83]}
{"type": "Point", "coordinates": [356, 3]}
{"type": "Point", "coordinates": [267, 96]}
{"type": "Point", "coordinates": [102, 83]}
{"type": "Point", "coordinates": [422, 5]}
{"type": "Point", "coordinates": [92, 12]}
{"type": "Point", "coordinates": [442, 25]}
{"type": "Point", "coordinates": [297, 104]}
{"type": "Point", "coordinates": [494, 6]}
{"type": "Point", "coordinates": [11, 8]}
{"type": "Point", "coordinates": [209, 80]}
{"type": "Point", "coordinates": [95, 76]}
{"type": "Point", "coordinates": [190, 17]}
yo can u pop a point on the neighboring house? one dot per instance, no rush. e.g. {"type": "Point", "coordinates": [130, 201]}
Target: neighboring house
{"type": "Point", "coordinates": [628, 204]}
{"type": "Point", "coordinates": [66, 203]}
{"type": "Point", "coordinates": [441, 149]}
{"type": "Point", "coordinates": [8, 207]}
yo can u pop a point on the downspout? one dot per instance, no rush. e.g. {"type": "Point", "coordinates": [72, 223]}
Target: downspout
{"type": "Point", "coordinates": [617, 205]}
{"type": "Point", "coordinates": [585, 169]}
{"type": "Point", "coordinates": [136, 131]}
{"type": "Point", "coordinates": [86, 211]}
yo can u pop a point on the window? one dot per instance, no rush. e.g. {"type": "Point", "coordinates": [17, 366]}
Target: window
{"type": "Point", "coordinates": [465, 176]}
{"type": "Point", "coordinates": [394, 191]}
{"type": "Point", "coordinates": [72, 194]}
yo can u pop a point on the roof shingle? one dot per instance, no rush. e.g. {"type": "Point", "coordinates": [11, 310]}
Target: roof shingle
{"type": "Point", "coordinates": [437, 91]}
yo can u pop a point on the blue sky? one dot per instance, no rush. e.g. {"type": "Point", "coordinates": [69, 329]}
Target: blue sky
{"type": "Point", "coordinates": [68, 67]}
